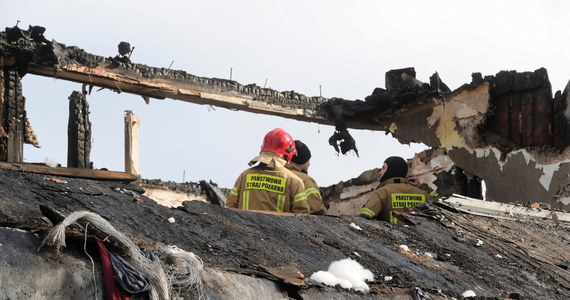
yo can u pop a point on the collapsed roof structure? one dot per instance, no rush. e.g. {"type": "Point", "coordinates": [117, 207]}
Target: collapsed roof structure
{"type": "Point", "coordinates": [507, 130]}
{"type": "Point", "coordinates": [250, 255]}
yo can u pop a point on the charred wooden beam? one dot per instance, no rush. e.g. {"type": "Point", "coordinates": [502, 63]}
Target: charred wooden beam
{"type": "Point", "coordinates": [78, 132]}
{"type": "Point", "coordinates": [198, 90]}
{"type": "Point", "coordinates": [561, 127]}
{"type": "Point", "coordinates": [13, 117]}
{"type": "Point", "coordinates": [69, 172]}
{"type": "Point", "coordinates": [522, 110]}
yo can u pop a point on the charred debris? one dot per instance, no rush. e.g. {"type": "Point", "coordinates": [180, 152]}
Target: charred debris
{"type": "Point", "coordinates": [490, 130]}
{"type": "Point", "coordinates": [506, 130]}
{"type": "Point", "coordinates": [249, 254]}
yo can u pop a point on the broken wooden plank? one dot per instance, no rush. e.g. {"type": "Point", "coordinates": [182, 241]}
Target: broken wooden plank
{"type": "Point", "coordinates": [289, 274]}
{"type": "Point", "coordinates": [69, 172]}
{"type": "Point", "coordinates": [502, 210]}
{"type": "Point", "coordinates": [104, 76]}
{"type": "Point", "coordinates": [542, 117]}
{"type": "Point", "coordinates": [132, 123]}
{"type": "Point", "coordinates": [515, 119]}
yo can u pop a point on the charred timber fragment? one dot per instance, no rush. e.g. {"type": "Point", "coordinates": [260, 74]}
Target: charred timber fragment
{"type": "Point", "coordinates": [78, 132]}
{"type": "Point", "coordinates": [213, 193]}
{"type": "Point", "coordinates": [561, 118]}
{"type": "Point", "coordinates": [37, 56]}
{"type": "Point", "coordinates": [436, 83]}
{"type": "Point", "coordinates": [402, 79]}
{"type": "Point", "coordinates": [403, 91]}
{"type": "Point", "coordinates": [509, 119]}
{"type": "Point", "coordinates": [69, 172]}
{"type": "Point", "coordinates": [522, 107]}
{"type": "Point", "coordinates": [13, 117]}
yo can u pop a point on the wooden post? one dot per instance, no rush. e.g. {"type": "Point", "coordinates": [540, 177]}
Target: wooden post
{"type": "Point", "coordinates": [132, 143]}
{"type": "Point", "coordinates": [13, 117]}
{"type": "Point", "coordinates": [78, 132]}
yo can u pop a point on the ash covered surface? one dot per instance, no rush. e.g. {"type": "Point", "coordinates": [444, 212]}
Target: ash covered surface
{"type": "Point", "coordinates": [531, 263]}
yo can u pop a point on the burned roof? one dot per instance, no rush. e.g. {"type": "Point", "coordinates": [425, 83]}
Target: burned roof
{"type": "Point", "coordinates": [449, 252]}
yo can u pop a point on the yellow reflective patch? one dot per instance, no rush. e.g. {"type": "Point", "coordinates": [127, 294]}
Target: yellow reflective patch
{"type": "Point", "coordinates": [245, 204]}
{"type": "Point", "coordinates": [234, 191]}
{"type": "Point", "coordinates": [265, 182]}
{"type": "Point", "coordinates": [407, 200]}
{"type": "Point", "coordinates": [299, 197]}
{"type": "Point", "coordinates": [393, 219]}
{"type": "Point", "coordinates": [280, 203]}
{"type": "Point", "coordinates": [367, 211]}
{"type": "Point", "coordinates": [313, 191]}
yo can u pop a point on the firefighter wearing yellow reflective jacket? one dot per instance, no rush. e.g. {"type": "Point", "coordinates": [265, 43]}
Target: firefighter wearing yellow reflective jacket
{"type": "Point", "coordinates": [394, 193]}
{"type": "Point", "coordinates": [299, 165]}
{"type": "Point", "coordinates": [269, 185]}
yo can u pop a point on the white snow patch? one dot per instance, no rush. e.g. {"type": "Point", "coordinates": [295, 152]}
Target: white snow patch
{"type": "Point", "coordinates": [50, 162]}
{"type": "Point", "coordinates": [347, 273]}
{"type": "Point", "coordinates": [355, 226]}
{"type": "Point", "coordinates": [171, 220]}
{"type": "Point", "coordinates": [468, 293]}
{"type": "Point", "coordinates": [405, 248]}
{"type": "Point", "coordinates": [15, 229]}
{"type": "Point", "coordinates": [388, 278]}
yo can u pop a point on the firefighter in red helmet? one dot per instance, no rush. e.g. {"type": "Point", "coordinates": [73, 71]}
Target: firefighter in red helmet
{"type": "Point", "coordinates": [268, 185]}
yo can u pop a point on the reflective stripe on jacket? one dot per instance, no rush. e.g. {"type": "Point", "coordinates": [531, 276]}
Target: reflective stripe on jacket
{"type": "Point", "coordinates": [393, 195]}
{"type": "Point", "coordinates": [311, 189]}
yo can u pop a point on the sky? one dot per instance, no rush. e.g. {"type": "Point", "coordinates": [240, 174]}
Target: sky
{"type": "Point", "coordinates": [343, 47]}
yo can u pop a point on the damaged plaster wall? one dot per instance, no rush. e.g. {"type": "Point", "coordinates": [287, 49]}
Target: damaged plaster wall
{"type": "Point", "coordinates": [502, 129]}
{"type": "Point", "coordinates": [522, 176]}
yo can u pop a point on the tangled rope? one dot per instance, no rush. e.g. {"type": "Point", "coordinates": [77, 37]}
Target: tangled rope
{"type": "Point", "coordinates": [180, 271]}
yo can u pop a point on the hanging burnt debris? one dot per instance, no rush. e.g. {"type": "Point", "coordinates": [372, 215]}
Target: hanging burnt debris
{"type": "Point", "coordinates": [506, 130]}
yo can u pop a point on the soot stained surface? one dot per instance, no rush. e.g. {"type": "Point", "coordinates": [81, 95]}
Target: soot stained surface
{"type": "Point", "coordinates": [247, 242]}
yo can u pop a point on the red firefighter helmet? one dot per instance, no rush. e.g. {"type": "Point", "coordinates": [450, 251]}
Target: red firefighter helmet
{"type": "Point", "coordinates": [278, 141]}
